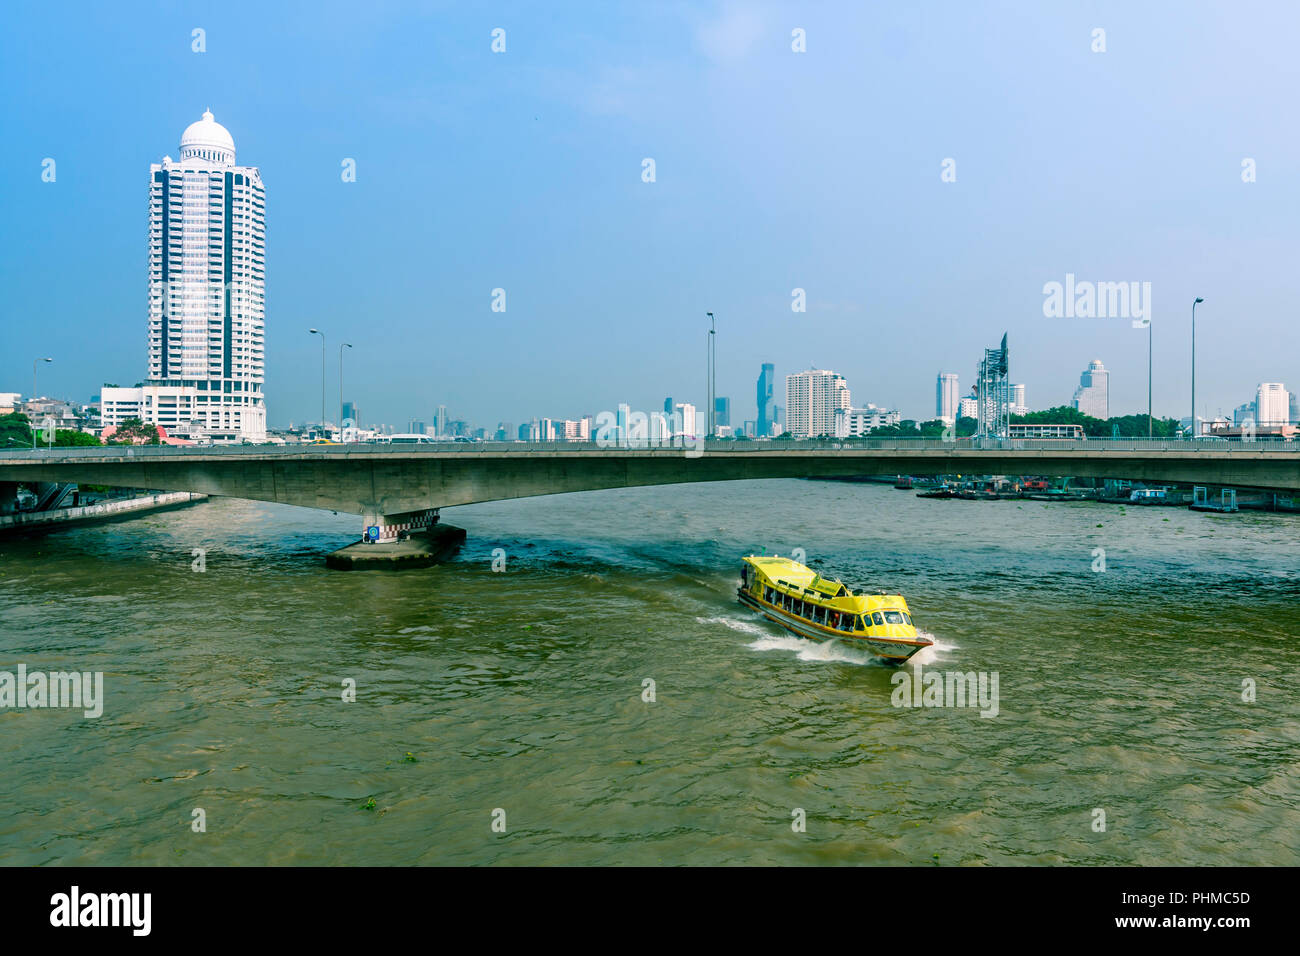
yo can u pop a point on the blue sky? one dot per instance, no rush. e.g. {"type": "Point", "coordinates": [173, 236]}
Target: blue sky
{"type": "Point", "coordinates": [774, 170]}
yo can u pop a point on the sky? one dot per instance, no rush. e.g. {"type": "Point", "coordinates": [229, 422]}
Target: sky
{"type": "Point", "coordinates": [774, 170]}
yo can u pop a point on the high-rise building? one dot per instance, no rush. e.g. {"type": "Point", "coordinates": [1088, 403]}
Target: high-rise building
{"type": "Point", "coordinates": [766, 390]}
{"type": "Point", "coordinates": [687, 420]}
{"type": "Point", "coordinates": [621, 416]}
{"type": "Point", "coordinates": [415, 427]}
{"type": "Point", "coordinates": [811, 399]}
{"type": "Point", "coordinates": [1272, 404]}
{"type": "Point", "coordinates": [1018, 406]}
{"type": "Point", "coordinates": [946, 397]}
{"type": "Point", "coordinates": [1092, 397]}
{"type": "Point", "coordinates": [722, 412]}
{"type": "Point", "coordinates": [207, 251]}
{"type": "Point", "coordinates": [668, 405]}
{"type": "Point", "coordinates": [352, 413]}
{"type": "Point", "coordinates": [968, 408]}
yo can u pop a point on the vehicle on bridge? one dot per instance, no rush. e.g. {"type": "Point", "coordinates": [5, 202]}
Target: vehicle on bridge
{"type": "Point", "coordinates": [407, 439]}
{"type": "Point", "coordinates": [808, 605]}
{"type": "Point", "coordinates": [1073, 432]}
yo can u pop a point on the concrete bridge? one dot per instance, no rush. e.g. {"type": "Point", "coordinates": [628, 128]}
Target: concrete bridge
{"type": "Point", "coordinates": [398, 488]}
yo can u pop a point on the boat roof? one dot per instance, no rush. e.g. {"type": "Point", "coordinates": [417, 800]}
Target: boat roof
{"type": "Point", "coordinates": [792, 574]}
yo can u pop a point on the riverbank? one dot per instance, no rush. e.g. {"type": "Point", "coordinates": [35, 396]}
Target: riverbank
{"type": "Point", "coordinates": [42, 522]}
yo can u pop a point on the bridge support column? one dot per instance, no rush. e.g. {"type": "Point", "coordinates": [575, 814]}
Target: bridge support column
{"type": "Point", "coordinates": [411, 539]}
{"type": "Point", "coordinates": [385, 529]}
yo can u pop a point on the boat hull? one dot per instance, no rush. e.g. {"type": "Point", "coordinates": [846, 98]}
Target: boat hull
{"type": "Point", "coordinates": [892, 650]}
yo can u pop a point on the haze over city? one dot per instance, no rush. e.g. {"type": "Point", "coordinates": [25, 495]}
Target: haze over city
{"type": "Point", "coordinates": [774, 170]}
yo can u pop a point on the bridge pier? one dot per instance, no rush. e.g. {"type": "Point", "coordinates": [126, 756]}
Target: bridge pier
{"type": "Point", "coordinates": [8, 497]}
{"type": "Point", "coordinates": [379, 528]}
{"type": "Point", "coordinates": [408, 539]}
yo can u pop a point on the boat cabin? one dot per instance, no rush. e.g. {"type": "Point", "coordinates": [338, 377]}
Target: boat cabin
{"type": "Point", "coordinates": [785, 586]}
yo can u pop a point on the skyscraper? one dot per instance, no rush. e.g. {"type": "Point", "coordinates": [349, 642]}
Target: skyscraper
{"type": "Point", "coordinates": [722, 412]}
{"type": "Point", "coordinates": [766, 413]}
{"type": "Point", "coordinates": [207, 237]}
{"type": "Point", "coordinates": [686, 422]}
{"type": "Point", "coordinates": [946, 397]}
{"type": "Point", "coordinates": [1018, 406]}
{"type": "Point", "coordinates": [811, 399]}
{"type": "Point", "coordinates": [1272, 404]}
{"type": "Point", "coordinates": [1092, 397]}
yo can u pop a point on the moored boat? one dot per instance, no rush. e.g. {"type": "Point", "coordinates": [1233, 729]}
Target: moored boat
{"type": "Point", "coordinates": [821, 609]}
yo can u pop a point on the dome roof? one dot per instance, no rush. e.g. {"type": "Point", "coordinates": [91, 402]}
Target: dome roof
{"type": "Point", "coordinates": [208, 139]}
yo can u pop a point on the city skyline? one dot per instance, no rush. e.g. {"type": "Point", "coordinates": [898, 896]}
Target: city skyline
{"type": "Point", "coordinates": [416, 296]}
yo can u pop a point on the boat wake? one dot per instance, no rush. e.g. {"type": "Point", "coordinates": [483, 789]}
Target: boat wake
{"type": "Point", "coordinates": [826, 652]}
{"type": "Point", "coordinates": [837, 653]}
{"type": "Point", "coordinates": [737, 624]}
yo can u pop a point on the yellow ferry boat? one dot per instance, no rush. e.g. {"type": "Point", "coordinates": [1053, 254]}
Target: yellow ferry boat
{"type": "Point", "coordinates": [806, 604]}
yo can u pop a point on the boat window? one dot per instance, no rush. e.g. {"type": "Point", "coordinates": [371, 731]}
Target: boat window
{"type": "Point", "coordinates": [907, 618]}
{"type": "Point", "coordinates": [877, 619]}
{"type": "Point", "coordinates": [894, 617]}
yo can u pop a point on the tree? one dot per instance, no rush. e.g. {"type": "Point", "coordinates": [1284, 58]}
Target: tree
{"type": "Point", "coordinates": [70, 437]}
{"type": "Point", "coordinates": [135, 432]}
{"type": "Point", "coordinates": [15, 429]}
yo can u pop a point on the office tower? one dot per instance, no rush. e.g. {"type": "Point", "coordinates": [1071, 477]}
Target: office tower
{"type": "Point", "coordinates": [766, 386]}
{"type": "Point", "coordinates": [811, 399]}
{"type": "Point", "coordinates": [1092, 397]}
{"type": "Point", "coordinates": [1018, 406]}
{"type": "Point", "coordinates": [946, 397]}
{"type": "Point", "coordinates": [415, 427]}
{"type": "Point", "coordinates": [685, 424]}
{"type": "Point", "coordinates": [722, 412]}
{"type": "Point", "coordinates": [207, 233]}
{"type": "Point", "coordinates": [668, 405]}
{"type": "Point", "coordinates": [440, 422]}
{"type": "Point", "coordinates": [968, 408]}
{"type": "Point", "coordinates": [352, 413]}
{"type": "Point", "coordinates": [1272, 404]}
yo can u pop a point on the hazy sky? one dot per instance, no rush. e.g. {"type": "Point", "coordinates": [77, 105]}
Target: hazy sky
{"type": "Point", "coordinates": [774, 170]}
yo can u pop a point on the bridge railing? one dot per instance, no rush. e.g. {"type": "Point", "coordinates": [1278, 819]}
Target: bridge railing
{"type": "Point", "coordinates": [722, 446]}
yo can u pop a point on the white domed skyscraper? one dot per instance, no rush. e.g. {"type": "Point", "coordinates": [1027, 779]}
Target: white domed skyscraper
{"type": "Point", "coordinates": [208, 139]}
{"type": "Point", "coordinates": [207, 236]}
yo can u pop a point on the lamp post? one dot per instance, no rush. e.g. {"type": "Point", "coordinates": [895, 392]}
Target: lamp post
{"type": "Point", "coordinates": [1149, 427]}
{"type": "Point", "coordinates": [35, 363]}
{"type": "Point", "coordinates": [322, 376]}
{"type": "Point", "coordinates": [345, 345]}
{"type": "Point", "coordinates": [713, 371]}
{"type": "Point", "coordinates": [1198, 301]}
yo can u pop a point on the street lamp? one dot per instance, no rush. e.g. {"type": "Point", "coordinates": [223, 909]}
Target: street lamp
{"type": "Point", "coordinates": [1149, 429]}
{"type": "Point", "coordinates": [345, 345]}
{"type": "Point", "coordinates": [322, 377]}
{"type": "Point", "coordinates": [713, 371]}
{"type": "Point", "coordinates": [34, 365]}
{"type": "Point", "coordinates": [1198, 301]}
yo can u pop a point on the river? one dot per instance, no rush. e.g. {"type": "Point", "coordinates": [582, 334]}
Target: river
{"type": "Point", "coordinates": [1125, 730]}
